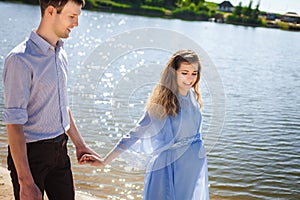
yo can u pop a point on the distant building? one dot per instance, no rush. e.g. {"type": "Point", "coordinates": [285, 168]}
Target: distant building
{"type": "Point", "coordinates": [290, 17]}
{"type": "Point", "coordinates": [225, 6]}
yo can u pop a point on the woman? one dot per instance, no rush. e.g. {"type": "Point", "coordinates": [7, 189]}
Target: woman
{"type": "Point", "coordinates": [170, 131]}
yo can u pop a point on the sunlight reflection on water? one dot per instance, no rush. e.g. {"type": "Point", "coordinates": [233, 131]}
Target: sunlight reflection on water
{"type": "Point", "coordinates": [257, 156]}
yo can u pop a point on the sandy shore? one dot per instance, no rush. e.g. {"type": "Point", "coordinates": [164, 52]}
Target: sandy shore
{"type": "Point", "coordinates": [6, 191]}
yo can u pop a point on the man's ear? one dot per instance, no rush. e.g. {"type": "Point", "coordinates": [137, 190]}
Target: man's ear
{"type": "Point", "coordinates": [50, 10]}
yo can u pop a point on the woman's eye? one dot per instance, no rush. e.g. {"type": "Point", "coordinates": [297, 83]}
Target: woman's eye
{"type": "Point", "coordinates": [183, 73]}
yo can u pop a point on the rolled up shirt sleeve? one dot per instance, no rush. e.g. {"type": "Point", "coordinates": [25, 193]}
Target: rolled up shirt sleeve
{"type": "Point", "coordinates": [15, 116]}
{"type": "Point", "coordinates": [17, 83]}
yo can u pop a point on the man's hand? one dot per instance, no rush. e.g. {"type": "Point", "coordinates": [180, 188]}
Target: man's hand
{"type": "Point", "coordinates": [30, 192]}
{"type": "Point", "coordinates": [92, 160]}
{"type": "Point", "coordinates": [80, 151]}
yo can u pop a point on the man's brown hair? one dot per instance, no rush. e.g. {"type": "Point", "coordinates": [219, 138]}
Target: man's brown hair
{"type": "Point", "coordinates": [58, 4]}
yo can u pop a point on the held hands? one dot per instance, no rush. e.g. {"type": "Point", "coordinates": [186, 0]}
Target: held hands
{"type": "Point", "coordinates": [86, 155]}
{"type": "Point", "coordinates": [80, 151]}
{"type": "Point", "coordinates": [92, 160]}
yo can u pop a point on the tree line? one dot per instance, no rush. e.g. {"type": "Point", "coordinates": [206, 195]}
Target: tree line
{"type": "Point", "coordinates": [245, 14]}
{"type": "Point", "coordinates": [183, 9]}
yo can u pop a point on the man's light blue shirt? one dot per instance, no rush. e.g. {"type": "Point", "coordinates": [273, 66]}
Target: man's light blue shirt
{"type": "Point", "coordinates": [35, 88]}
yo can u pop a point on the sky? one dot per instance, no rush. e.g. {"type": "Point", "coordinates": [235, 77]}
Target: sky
{"type": "Point", "coordinates": [276, 6]}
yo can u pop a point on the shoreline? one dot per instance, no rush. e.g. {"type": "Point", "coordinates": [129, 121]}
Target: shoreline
{"type": "Point", "coordinates": [165, 13]}
{"type": "Point", "coordinates": [6, 190]}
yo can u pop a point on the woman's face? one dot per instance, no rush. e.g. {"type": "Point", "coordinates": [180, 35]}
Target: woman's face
{"type": "Point", "coordinates": [186, 77]}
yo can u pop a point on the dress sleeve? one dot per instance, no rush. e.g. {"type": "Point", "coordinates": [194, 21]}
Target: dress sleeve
{"type": "Point", "coordinates": [17, 83]}
{"type": "Point", "coordinates": [149, 136]}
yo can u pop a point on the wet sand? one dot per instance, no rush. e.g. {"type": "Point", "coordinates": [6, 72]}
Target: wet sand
{"type": "Point", "coordinates": [6, 191]}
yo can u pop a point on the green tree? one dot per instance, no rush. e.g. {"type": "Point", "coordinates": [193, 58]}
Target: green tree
{"type": "Point", "coordinates": [133, 2]}
{"type": "Point", "coordinates": [255, 12]}
{"type": "Point", "coordinates": [248, 10]}
{"type": "Point", "coordinates": [238, 10]}
{"type": "Point", "coordinates": [202, 6]}
{"type": "Point", "coordinates": [31, 1]}
{"type": "Point", "coordinates": [170, 3]}
{"type": "Point", "coordinates": [155, 2]}
{"type": "Point", "coordinates": [197, 1]}
{"type": "Point", "coordinates": [183, 3]}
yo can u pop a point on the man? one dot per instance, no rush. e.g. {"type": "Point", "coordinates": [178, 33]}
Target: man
{"type": "Point", "coordinates": [36, 111]}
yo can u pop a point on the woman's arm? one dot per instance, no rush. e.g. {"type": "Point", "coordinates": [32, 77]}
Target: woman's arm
{"type": "Point", "coordinates": [145, 130]}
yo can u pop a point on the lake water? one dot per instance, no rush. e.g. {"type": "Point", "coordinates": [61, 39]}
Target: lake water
{"type": "Point", "coordinates": [250, 87]}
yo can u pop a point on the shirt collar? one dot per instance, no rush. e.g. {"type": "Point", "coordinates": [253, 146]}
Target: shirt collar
{"type": "Point", "coordinates": [43, 44]}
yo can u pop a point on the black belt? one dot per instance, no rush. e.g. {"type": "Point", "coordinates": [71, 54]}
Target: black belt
{"type": "Point", "coordinates": [57, 139]}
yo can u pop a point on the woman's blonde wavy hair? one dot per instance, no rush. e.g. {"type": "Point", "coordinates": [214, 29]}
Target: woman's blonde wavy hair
{"type": "Point", "coordinates": [163, 100]}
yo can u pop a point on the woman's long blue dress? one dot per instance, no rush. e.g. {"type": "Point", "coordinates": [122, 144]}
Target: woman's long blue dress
{"type": "Point", "coordinates": [177, 169]}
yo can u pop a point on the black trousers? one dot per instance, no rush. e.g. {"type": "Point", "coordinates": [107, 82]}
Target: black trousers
{"type": "Point", "coordinates": [50, 167]}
